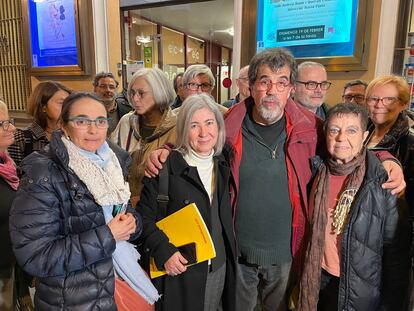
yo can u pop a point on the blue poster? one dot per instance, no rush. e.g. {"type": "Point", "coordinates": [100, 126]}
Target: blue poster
{"type": "Point", "coordinates": [309, 28]}
{"type": "Point", "coordinates": [53, 33]}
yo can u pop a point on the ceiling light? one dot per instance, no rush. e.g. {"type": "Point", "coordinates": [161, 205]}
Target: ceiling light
{"type": "Point", "coordinates": [143, 39]}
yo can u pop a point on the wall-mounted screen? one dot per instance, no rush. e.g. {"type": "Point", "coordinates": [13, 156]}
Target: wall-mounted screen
{"type": "Point", "coordinates": [56, 41]}
{"type": "Point", "coordinates": [312, 28]}
{"type": "Point", "coordinates": [53, 33]}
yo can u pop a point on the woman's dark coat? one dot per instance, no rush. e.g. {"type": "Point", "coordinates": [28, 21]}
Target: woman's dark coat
{"type": "Point", "coordinates": [399, 141]}
{"type": "Point", "coordinates": [59, 233]}
{"type": "Point", "coordinates": [186, 291]}
{"type": "Point", "coordinates": [375, 248]}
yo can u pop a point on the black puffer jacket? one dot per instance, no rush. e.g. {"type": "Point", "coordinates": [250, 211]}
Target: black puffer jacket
{"type": "Point", "coordinates": [59, 233]}
{"type": "Point", "coordinates": [375, 248]}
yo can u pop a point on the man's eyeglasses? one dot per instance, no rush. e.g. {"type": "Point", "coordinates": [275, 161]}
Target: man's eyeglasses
{"type": "Point", "coordinates": [5, 124]}
{"type": "Point", "coordinates": [313, 85]}
{"type": "Point", "coordinates": [205, 87]}
{"type": "Point", "coordinates": [266, 85]}
{"type": "Point", "coordinates": [84, 123]}
{"type": "Point", "coordinates": [389, 100]}
{"type": "Point", "coordinates": [107, 86]}
{"type": "Point", "coordinates": [356, 98]}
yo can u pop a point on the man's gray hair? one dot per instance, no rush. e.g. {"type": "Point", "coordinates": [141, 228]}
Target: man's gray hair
{"type": "Point", "coordinates": [310, 64]}
{"type": "Point", "coordinates": [161, 87]}
{"type": "Point", "coordinates": [275, 59]}
{"type": "Point", "coordinates": [190, 105]}
{"type": "Point", "coordinates": [194, 70]}
{"type": "Point", "coordinates": [245, 68]}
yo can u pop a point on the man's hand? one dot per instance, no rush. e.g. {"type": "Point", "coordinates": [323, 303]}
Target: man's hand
{"type": "Point", "coordinates": [155, 161]}
{"type": "Point", "coordinates": [175, 264]}
{"type": "Point", "coordinates": [395, 180]}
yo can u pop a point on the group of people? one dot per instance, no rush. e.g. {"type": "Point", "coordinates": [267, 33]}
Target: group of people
{"type": "Point", "coordinates": [304, 214]}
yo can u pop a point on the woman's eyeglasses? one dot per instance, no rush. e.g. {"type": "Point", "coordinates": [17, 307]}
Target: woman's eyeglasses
{"type": "Point", "coordinates": [5, 124]}
{"type": "Point", "coordinates": [205, 87]}
{"type": "Point", "coordinates": [389, 100]}
{"type": "Point", "coordinates": [84, 123]}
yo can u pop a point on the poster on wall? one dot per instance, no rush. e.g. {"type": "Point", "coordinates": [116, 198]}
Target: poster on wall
{"type": "Point", "coordinates": [309, 28]}
{"type": "Point", "coordinates": [132, 67]}
{"type": "Point", "coordinates": [52, 28]}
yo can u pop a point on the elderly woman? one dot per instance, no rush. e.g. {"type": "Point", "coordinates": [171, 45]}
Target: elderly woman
{"type": "Point", "coordinates": [199, 79]}
{"type": "Point", "coordinates": [197, 172]}
{"type": "Point", "coordinates": [8, 186]}
{"type": "Point", "coordinates": [44, 106]}
{"type": "Point", "coordinates": [150, 125]}
{"type": "Point", "coordinates": [357, 257]}
{"type": "Point", "coordinates": [387, 100]}
{"type": "Point", "coordinates": [70, 220]}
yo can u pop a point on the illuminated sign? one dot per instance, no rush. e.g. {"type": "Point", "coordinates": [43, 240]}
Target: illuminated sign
{"type": "Point", "coordinates": [309, 28]}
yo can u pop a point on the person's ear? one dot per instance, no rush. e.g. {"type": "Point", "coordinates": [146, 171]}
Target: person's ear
{"type": "Point", "coordinates": [291, 91]}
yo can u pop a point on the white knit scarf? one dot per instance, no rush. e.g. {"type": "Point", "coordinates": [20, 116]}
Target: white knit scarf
{"type": "Point", "coordinates": [106, 184]}
{"type": "Point", "coordinates": [102, 175]}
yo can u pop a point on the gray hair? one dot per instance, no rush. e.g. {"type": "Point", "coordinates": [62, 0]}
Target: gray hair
{"type": "Point", "coordinates": [160, 86]}
{"type": "Point", "coordinates": [195, 70]}
{"type": "Point", "coordinates": [243, 69]}
{"type": "Point", "coordinates": [190, 105]}
{"type": "Point", "coordinates": [3, 107]}
{"type": "Point", "coordinates": [310, 64]}
{"type": "Point", "coordinates": [275, 59]}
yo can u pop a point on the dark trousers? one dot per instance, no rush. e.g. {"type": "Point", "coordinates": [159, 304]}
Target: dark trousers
{"type": "Point", "coordinates": [214, 289]}
{"type": "Point", "coordinates": [262, 288]}
{"type": "Point", "coordinates": [328, 293]}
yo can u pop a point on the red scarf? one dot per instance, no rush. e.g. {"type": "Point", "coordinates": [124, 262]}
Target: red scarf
{"type": "Point", "coordinates": [8, 170]}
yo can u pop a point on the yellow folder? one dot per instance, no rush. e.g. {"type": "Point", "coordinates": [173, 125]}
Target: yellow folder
{"type": "Point", "coordinates": [183, 227]}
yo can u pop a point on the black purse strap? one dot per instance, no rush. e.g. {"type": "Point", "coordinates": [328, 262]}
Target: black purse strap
{"type": "Point", "coordinates": [162, 197]}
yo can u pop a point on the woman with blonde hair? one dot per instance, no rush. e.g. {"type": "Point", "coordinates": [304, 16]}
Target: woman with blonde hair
{"type": "Point", "coordinates": [387, 99]}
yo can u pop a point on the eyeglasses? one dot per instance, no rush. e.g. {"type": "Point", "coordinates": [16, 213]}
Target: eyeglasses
{"type": "Point", "coordinates": [389, 100]}
{"type": "Point", "coordinates": [5, 124]}
{"type": "Point", "coordinates": [266, 85]}
{"type": "Point", "coordinates": [84, 123]}
{"type": "Point", "coordinates": [107, 86]}
{"type": "Point", "coordinates": [205, 87]}
{"type": "Point", "coordinates": [356, 98]}
{"type": "Point", "coordinates": [313, 85]}
{"type": "Point", "coordinates": [138, 93]}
